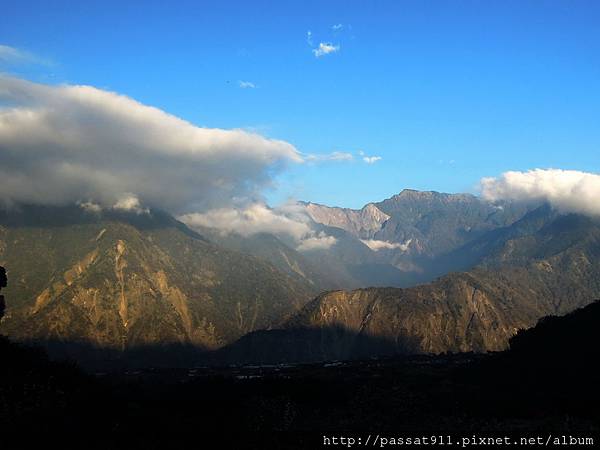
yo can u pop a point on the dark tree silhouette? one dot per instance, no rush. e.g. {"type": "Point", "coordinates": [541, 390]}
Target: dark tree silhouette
{"type": "Point", "coordinates": [3, 282]}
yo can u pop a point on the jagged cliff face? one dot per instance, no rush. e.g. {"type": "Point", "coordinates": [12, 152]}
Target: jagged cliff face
{"type": "Point", "coordinates": [412, 230]}
{"type": "Point", "coordinates": [127, 282]}
{"type": "Point", "coordinates": [421, 223]}
{"type": "Point", "coordinates": [362, 223]}
{"type": "Point", "coordinates": [458, 315]}
{"type": "Point", "coordinates": [477, 311]}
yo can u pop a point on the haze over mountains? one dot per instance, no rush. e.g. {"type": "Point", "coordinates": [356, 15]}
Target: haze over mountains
{"type": "Point", "coordinates": [411, 230]}
{"type": "Point", "coordinates": [544, 264]}
{"type": "Point", "coordinates": [125, 280]}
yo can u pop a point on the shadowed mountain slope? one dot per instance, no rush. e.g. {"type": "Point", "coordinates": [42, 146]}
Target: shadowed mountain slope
{"type": "Point", "coordinates": [121, 280]}
{"type": "Point", "coordinates": [550, 271]}
{"type": "Point", "coordinates": [546, 381]}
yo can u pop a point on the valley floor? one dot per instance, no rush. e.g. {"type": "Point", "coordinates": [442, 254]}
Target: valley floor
{"type": "Point", "coordinates": [288, 406]}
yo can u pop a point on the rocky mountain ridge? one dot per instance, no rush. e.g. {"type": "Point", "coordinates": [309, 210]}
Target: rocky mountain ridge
{"type": "Point", "coordinates": [362, 223]}
{"type": "Point", "coordinates": [420, 234]}
{"type": "Point", "coordinates": [550, 271]}
{"type": "Point", "coordinates": [124, 281]}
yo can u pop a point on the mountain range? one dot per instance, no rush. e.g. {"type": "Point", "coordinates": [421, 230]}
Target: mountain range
{"type": "Point", "coordinates": [543, 264]}
{"type": "Point", "coordinates": [431, 273]}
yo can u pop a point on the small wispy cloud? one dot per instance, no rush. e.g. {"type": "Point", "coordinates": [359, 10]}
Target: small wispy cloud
{"type": "Point", "coordinates": [377, 245]}
{"type": "Point", "coordinates": [336, 32]}
{"type": "Point", "coordinates": [12, 55]}
{"type": "Point", "coordinates": [309, 40]}
{"type": "Point", "coordinates": [130, 202]}
{"type": "Point", "coordinates": [369, 159]}
{"type": "Point", "coordinates": [320, 241]}
{"type": "Point", "coordinates": [246, 84]}
{"type": "Point", "coordinates": [334, 156]}
{"type": "Point", "coordinates": [325, 48]}
{"type": "Point", "coordinates": [446, 161]}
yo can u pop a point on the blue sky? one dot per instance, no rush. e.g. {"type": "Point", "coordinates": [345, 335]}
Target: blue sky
{"type": "Point", "coordinates": [444, 92]}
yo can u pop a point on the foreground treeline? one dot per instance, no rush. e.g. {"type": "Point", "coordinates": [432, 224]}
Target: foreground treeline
{"type": "Point", "coordinates": [546, 382]}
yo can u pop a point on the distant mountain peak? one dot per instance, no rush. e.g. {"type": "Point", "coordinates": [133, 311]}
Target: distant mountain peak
{"type": "Point", "coordinates": [422, 195]}
{"type": "Point", "coordinates": [359, 222]}
{"type": "Point", "coordinates": [408, 191]}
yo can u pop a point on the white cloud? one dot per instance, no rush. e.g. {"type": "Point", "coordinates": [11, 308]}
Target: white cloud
{"type": "Point", "coordinates": [66, 144]}
{"type": "Point", "coordinates": [255, 218]}
{"type": "Point", "coordinates": [371, 159]}
{"type": "Point", "coordinates": [309, 40]}
{"type": "Point", "coordinates": [8, 54]}
{"type": "Point", "coordinates": [318, 242]}
{"type": "Point", "coordinates": [290, 220]}
{"type": "Point", "coordinates": [376, 245]}
{"type": "Point", "coordinates": [246, 84]}
{"type": "Point", "coordinates": [568, 191]}
{"type": "Point", "coordinates": [334, 156]}
{"type": "Point", "coordinates": [12, 55]}
{"type": "Point", "coordinates": [325, 48]}
{"type": "Point", "coordinates": [337, 27]}
{"type": "Point", "coordinates": [130, 202]}
{"type": "Point", "coordinates": [90, 207]}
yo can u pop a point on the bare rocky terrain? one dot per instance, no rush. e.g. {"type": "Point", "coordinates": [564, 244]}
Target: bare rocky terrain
{"type": "Point", "coordinates": [107, 283]}
{"type": "Point", "coordinates": [125, 281]}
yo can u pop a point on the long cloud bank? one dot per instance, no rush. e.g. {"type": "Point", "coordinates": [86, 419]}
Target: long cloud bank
{"type": "Point", "coordinates": [62, 144]}
{"type": "Point", "coordinates": [569, 191]}
{"type": "Point", "coordinates": [67, 144]}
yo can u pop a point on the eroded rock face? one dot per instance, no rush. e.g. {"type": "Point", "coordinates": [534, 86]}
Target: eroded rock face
{"type": "Point", "coordinates": [361, 223]}
{"type": "Point", "coordinates": [123, 284]}
{"type": "Point", "coordinates": [458, 315]}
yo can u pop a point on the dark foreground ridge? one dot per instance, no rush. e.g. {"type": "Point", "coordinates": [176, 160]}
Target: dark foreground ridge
{"type": "Point", "coordinates": [3, 282]}
{"type": "Point", "coordinates": [546, 382]}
